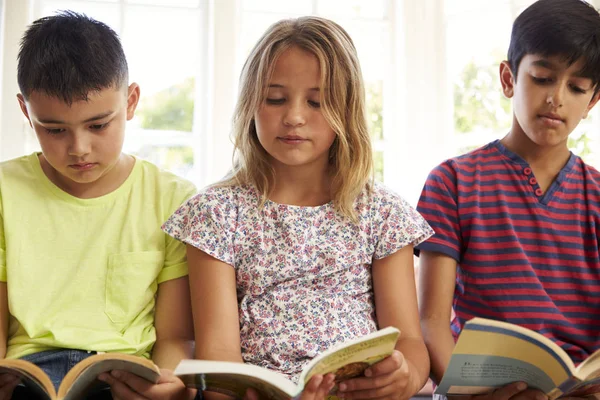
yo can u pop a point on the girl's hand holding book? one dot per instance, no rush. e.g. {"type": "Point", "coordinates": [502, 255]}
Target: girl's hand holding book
{"type": "Point", "coordinates": [389, 378]}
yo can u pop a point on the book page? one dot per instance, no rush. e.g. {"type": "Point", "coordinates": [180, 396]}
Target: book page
{"type": "Point", "coordinates": [81, 379]}
{"type": "Point", "coordinates": [235, 378]}
{"type": "Point", "coordinates": [589, 368]}
{"type": "Point", "coordinates": [350, 360]}
{"type": "Point", "coordinates": [31, 375]}
{"type": "Point", "coordinates": [490, 355]}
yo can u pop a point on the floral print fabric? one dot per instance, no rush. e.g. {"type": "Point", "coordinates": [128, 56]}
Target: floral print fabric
{"type": "Point", "coordinates": [303, 273]}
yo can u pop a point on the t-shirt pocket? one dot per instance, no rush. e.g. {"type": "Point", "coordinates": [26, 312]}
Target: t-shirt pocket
{"type": "Point", "coordinates": [131, 284]}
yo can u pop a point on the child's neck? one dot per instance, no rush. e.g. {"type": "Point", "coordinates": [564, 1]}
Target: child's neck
{"type": "Point", "coordinates": [301, 187]}
{"type": "Point", "coordinates": [546, 162]}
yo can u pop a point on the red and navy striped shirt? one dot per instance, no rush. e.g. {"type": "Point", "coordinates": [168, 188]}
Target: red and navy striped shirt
{"type": "Point", "coordinates": [524, 256]}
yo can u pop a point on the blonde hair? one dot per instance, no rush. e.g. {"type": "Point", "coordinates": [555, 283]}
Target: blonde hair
{"type": "Point", "coordinates": [342, 104]}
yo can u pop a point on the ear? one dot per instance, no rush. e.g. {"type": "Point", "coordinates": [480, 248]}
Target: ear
{"type": "Point", "coordinates": [507, 79]}
{"type": "Point", "coordinates": [133, 96]}
{"type": "Point", "coordinates": [592, 103]}
{"type": "Point", "coordinates": [23, 107]}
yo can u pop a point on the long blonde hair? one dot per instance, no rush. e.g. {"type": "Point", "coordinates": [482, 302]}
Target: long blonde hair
{"type": "Point", "coordinates": [342, 104]}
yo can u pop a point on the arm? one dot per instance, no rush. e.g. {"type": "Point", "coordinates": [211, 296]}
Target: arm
{"type": "Point", "coordinates": [396, 305]}
{"type": "Point", "coordinates": [437, 279]}
{"type": "Point", "coordinates": [173, 322]}
{"type": "Point", "coordinates": [402, 374]}
{"type": "Point", "coordinates": [174, 342]}
{"type": "Point", "coordinates": [214, 307]}
{"type": "Point", "coordinates": [215, 310]}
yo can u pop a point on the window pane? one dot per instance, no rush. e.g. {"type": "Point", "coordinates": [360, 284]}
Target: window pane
{"type": "Point", "coordinates": [300, 7]}
{"type": "Point", "coordinates": [170, 3]}
{"type": "Point", "coordinates": [107, 13]}
{"type": "Point", "coordinates": [477, 41]}
{"type": "Point", "coordinates": [163, 47]}
{"type": "Point", "coordinates": [353, 8]}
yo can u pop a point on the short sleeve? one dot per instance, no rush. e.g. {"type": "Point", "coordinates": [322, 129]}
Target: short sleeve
{"type": "Point", "coordinates": [207, 221]}
{"type": "Point", "coordinates": [175, 253]}
{"type": "Point", "coordinates": [397, 224]}
{"type": "Point", "coordinates": [438, 205]}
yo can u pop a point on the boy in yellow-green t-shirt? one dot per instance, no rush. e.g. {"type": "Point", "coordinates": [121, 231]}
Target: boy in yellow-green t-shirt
{"type": "Point", "coordinates": [84, 266]}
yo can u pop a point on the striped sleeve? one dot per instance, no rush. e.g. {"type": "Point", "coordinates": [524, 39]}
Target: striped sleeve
{"type": "Point", "coordinates": [438, 205]}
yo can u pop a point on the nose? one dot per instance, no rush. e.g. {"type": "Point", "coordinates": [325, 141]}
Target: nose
{"type": "Point", "coordinates": [295, 114]}
{"type": "Point", "coordinates": [80, 144]}
{"type": "Point", "coordinates": [556, 95]}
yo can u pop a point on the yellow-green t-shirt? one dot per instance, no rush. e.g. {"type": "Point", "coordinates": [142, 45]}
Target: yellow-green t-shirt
{"type": "Point", "coordinates": [83, 273]}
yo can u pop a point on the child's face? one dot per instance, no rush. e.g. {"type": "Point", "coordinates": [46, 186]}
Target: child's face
{"type": "Point", "coordinates": [82, 142]}
{"type": "Point", "coordinates": [549, 97]}
{"type": "Point", "coordinates": [290, 124]}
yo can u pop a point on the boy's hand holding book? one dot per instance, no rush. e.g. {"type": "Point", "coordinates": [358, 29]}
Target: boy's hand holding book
{"type": "Point", "coordinates": [513, 391]}
{"type": "Point", "coordinates": [8, 382]}
{"type": "Point", "coordinates": [125, 385]}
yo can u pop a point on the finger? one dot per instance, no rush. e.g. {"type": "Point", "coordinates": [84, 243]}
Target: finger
{"type": "Point", "coordinates": [136, 383]}
{"type": "Point", "coordinates": [361, 384]}
{"type": "Point", "coordinates": [119, 389]}
{"type": "Point", "coordinates": [508, 391]}
{"type": "Point", "coordinates": [8, 379]}
{"type": "Point", "coordinates": [387, 365]}
{"type": "Point", "coordinates": [379, 392]}
{"type": "Point", "coordinates": [530, 394]}
{"type": "Point", "coordinates": [251, 394]}
{"type": "Point", "coordinates": [311, 389]}
{"type": "Point", "coordinates": [325, 387]}
{"type": "Point", "coordinates": [7, 389]}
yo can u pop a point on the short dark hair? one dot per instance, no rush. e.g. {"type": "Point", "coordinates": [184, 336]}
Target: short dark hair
{"type": "Point", "coordinates": [566, 28]}
{"type": "Point", "coordinates": [69, 55]}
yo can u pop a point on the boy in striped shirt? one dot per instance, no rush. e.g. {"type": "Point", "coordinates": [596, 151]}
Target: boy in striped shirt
{"type": "Point", "coordinates": [517, 221]}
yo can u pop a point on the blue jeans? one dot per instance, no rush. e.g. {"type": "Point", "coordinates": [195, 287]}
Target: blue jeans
{"type": "Point", "coordinates": [56, 364]}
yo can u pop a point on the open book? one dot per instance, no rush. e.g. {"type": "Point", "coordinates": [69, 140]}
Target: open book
{"type": "Point", "coordinates": [346, 361]}
{"type": "Point", "coordinates": [81, 379]}
{"type": "Point", "coordinates": [491, 354]}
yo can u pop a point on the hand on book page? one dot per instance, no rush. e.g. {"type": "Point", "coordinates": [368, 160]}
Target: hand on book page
{"type": "Point", "coordinates": [8, 382]}
{"type": "Point", "coordinates": [125, 385]}
{"type": "Point", "coordinates": [513, 391]}
{"type": "Point", "coordinates": [388, 377]}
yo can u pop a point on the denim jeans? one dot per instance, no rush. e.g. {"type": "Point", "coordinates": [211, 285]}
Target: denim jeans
{"type": "Point", "coordinates": [56, 364]}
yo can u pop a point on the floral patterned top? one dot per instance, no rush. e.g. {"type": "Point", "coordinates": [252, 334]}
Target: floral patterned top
{"type": "Point", "coordinates": [303, 273]}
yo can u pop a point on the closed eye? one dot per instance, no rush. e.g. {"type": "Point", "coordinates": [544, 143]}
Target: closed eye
{"type": "Point", "coordinates": [54, 131]}
{"type": "Point", "coordinates": [541, 80]}
{"type": "Point", "coordinates": [98, 127]}
{"type": "Point", "coordinates": [275, 101]}
{"type": "Point", "coordinates": [577, 89]}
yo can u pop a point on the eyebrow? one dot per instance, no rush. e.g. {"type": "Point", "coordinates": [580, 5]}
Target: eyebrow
{"type": "Point", "coordinates": [94, 118]}
{"type": "Point", "coordinates": [278, 86]}
{"type": "Point", "coordinates": [553, 67]}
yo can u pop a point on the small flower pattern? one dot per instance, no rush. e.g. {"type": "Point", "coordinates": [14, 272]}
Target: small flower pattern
{"type": "Point", "coordinates": [303, 273]}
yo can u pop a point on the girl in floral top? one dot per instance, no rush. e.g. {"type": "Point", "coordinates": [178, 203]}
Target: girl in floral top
{"type": "Point", "coordinates": [298, 250]}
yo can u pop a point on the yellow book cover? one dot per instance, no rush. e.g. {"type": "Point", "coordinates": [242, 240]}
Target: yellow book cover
{"type": "Point", "coordinates": [491, 354]}
{"type": "Point", "coordinates": [81, 379]}
{"type": "Point", "coordinates": [346, 361]}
